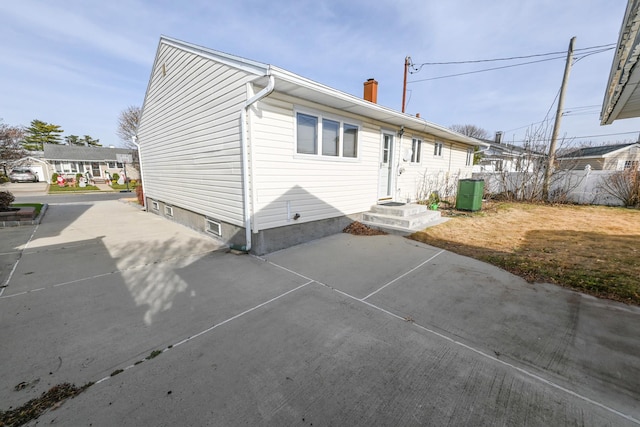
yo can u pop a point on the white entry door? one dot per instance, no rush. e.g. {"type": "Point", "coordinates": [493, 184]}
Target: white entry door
{"type": "Point", "coordinates": [385, 179]}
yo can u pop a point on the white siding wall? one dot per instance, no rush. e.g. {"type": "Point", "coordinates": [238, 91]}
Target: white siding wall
{"type": "Point", "coordinates": [189, 134]}
{"type": "Point", "coordinates": [318, 188]}
{"type": "Point", "coordinates": [433, 172]}
{"type": "Point", "coordinates": [314, 188]}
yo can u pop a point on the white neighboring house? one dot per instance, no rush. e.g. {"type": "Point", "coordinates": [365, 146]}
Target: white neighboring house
{"type": "Point", "coordinates": [499, 157]}
{"type": "Point", "coordinates": [263, 158]}
{"type": "Point", "coordinates": [615, 157]}
{"type": "Point", "coordinates": [69, 160]}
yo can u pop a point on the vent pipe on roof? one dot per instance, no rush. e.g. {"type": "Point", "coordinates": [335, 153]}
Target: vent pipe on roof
{"type": "Point", "coordinates": [371, 91]}
{"type": "Point", "coordinates": [498, 139]}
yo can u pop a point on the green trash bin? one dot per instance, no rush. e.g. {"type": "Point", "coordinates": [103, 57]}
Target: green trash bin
{"type": "Point", "coordinates": [470, 193]}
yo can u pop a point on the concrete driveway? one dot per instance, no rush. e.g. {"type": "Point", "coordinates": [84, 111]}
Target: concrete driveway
{"type": "Point", "coordinates": [345, 330]}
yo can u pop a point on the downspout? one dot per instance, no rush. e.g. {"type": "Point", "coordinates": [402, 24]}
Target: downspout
{"type": "Point", "coordinates": [245, 143]}
{"type": "Point", "coordinates": [144, 198]}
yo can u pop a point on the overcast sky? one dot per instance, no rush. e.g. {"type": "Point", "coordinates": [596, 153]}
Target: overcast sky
{"type": "Point", "coordinates": [78, 63]}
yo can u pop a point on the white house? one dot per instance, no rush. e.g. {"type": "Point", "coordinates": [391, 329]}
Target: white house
{"type": "Point", "coordinates": [615, 157]}
{"type": "Point", "coordinates": [263, 158]}
{"type": "Point", "coordinates": [69, 160]}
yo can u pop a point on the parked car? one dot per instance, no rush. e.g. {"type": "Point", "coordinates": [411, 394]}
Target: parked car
{"type": "Point", "coordinates": [22, 175]}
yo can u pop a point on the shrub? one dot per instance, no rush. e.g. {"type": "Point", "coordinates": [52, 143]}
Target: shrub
{"type": "Point", "coordinates": [623, 186]}
{"type": "Point", "coordinates": [3, 178]}
{"type": "Point", "coordinates": [54, 178]}
{"type": "Point", "coordinates": [6, 198]}
{"type": "Point", "coordinates": [115, 177]}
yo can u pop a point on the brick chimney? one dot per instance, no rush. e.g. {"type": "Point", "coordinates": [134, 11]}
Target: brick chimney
{"type": "Point", "coordinates": [371, 91]}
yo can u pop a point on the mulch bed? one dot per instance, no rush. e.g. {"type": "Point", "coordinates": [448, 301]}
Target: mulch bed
{"type": "Point", "coordinates": [359, 229]}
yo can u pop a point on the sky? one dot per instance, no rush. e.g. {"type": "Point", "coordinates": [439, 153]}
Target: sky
{"type": "Point", "coordinates": [79, 64]}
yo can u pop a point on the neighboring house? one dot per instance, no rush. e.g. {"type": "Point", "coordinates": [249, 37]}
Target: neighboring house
{"type": "Point", "coordinates": [263, 158]}
{"type": "Point", "coordinates": [69, 160]}
{"type": "Point", "coordinates": [622, 96]}
{"type": "Point", "coordinates": [607, 157]}
{"type": "Point", "coordinates": [501, 157]}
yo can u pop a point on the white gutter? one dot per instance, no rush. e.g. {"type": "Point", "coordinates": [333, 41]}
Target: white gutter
{"type": "Point", "coordinates": [144, 198]}
{"type": "Point", "coordinates": [245, 142]}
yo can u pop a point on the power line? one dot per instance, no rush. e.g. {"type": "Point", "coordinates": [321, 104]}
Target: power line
{"type": "Point", "coordinates": [588, 51]}
{"type": "Point", "coordinates": [485, 70]}
{"type": "Point", "coordinates": [611, 45]}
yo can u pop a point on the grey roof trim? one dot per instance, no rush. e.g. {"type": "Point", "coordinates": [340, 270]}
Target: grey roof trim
{"type": "Point", "coordinates": [624, 76]}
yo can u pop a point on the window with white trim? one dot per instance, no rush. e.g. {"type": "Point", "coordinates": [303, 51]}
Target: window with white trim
{"type": "Point", "coordinates": [469, 157]}
{"type": "Point", "coordinates": [437, 149]}
{"type": "Point", "coordinates": [416, 150]}
{"type": "Point", "coordinates": [324, 136]}
{"type": "Point", "coordinates": [631, 164]}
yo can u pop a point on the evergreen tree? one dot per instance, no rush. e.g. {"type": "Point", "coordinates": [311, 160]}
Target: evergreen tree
{"type": "Point", "coordinates": [40, 133]}
{"type": "Point", "coordinates": [86, 140]}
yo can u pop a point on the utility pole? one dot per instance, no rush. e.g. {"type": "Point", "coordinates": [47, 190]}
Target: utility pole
{"type": "Point", "coordinates": [407, 60]}
{"type": "Point", "coordinates": [556, 124]}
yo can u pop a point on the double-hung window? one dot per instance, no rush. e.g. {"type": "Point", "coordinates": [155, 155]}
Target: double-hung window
{"type": "Point", "coordinates": [326, 137]}
{"type": "Point", "coordinates": [416, 150]}
{"type": "Point", "coordinates": [437, 149]}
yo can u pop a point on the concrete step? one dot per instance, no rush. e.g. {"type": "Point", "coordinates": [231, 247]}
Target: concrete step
{"type": "Point", "coordinates": [402, 222]}
{"type": "Point", "coordinates": [400, 211]}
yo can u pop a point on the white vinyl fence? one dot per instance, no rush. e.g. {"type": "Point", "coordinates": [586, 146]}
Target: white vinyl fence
{"type": "Point", "coordinates": [583, 186]}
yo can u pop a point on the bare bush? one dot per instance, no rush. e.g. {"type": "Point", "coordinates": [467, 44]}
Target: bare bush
{"type": "Point", "coordinates": [623, 186]}
{"type": "Point", "coordinates": [6, 198]}
{"type": "Point", "coordinates": [443, 184]}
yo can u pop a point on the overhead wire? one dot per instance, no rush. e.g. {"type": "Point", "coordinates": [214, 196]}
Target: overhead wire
{"type": "Point", "coordinates": [587, 51]}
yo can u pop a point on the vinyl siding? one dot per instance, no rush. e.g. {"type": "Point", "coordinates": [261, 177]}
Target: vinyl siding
{"type": "Point", "coordinates": [189, 134]}
{"type": "Point", "coordinates": [324, 187]}
{"type": "Point", "coordinates": [315, 188]}
{"type": "Point", "coordinates": [443, 170]}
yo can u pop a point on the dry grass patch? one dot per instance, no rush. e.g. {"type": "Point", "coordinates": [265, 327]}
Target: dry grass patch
{"type": "Point", "coordinates": [593, 249]}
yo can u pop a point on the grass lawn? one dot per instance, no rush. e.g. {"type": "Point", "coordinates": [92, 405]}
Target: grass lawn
{"type": "Point", "coordinates": [592, 249]}
{"type": "Point", "coordinates": [38, 206]}
{"type": "Point", "coordinates": [53, 188]}
{"type": "Point", "coordinates": [123, 186]}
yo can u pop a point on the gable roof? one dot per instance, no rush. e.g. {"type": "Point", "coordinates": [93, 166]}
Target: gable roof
{"type": "Point", "coordinates": [297, 86]}
{"type": "Point", "coordinates": [80, 153]}
{"type": "Point", "coordinates": [602, 151]}
{"type": "Point", "coordinates": [622, 96]}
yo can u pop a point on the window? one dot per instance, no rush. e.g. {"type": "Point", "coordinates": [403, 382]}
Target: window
{"type": "Point", "coordinates": [330, 137]}
{"type": "Point", "coordinates": [307, 134]}
{"type": "Point", "coordinates": [469, 157]}
{"type": "Point", "coordinates": [350, 141]}
{"type": "Point", "coordinates": [416, 150]}
{"type": "Point", "coordinates": [631, 164]}
{"type": "Point", "coordinates": [155, 205]}
{"type": "Point", "coordinates": [437, 149]}
{"type": "Point", "coordinates": [112, 165]}
{"type": "Point", "coordinates": [119, 165]}
{"type": "Point", "coordinates": [326, 137]}
{"type": "Point", "coordinates": [168, 211]}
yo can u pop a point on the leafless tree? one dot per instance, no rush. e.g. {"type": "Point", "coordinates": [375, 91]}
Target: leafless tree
{"type": "Point", "coordinates": [128, 124]}
{"type": "Point", "coordinates": [471, 130]}
{"type": "Point", "coordinates": [11, 148]}
{"type": "Point", "coordinates": [524, 182]}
